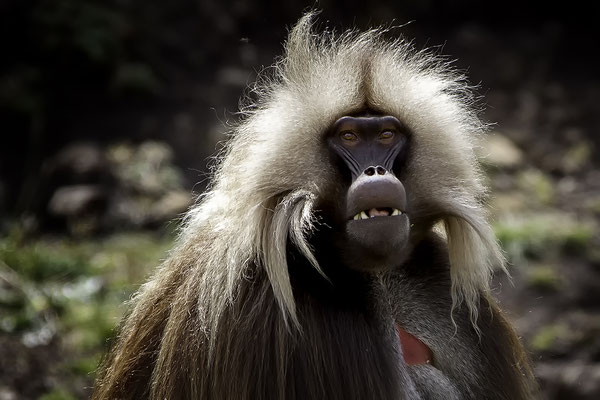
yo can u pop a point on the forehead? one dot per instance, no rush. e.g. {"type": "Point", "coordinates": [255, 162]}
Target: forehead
{"type": "Point", "coordinates": [350, 123]}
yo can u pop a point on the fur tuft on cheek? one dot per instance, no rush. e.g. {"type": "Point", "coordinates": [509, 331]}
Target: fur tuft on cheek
{"type": "Point", "coordinates": [291, 219]}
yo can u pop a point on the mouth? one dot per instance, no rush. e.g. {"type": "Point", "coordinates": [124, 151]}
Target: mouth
{"type": "Point", "coordinates": [377, 226]}
{"type": "Point", "coordinates": [377, 212]}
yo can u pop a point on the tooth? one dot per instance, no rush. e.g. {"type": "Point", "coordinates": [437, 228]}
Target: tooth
{"type": "Point", "coordinates": [356, 217]}
{"type": "Point", "coordinates": [363, 215]}
{"type": "Point", "coordinates": [396, 212]}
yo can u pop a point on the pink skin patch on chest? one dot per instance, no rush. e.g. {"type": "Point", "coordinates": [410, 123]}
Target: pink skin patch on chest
{"type": "Point", "coordinates": [414, 351]}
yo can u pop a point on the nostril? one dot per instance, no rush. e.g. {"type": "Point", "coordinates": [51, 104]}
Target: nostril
{"type": "Point", "coordinates": [381, 171]}
{"type": "Point", "coordinates": [370, 171]}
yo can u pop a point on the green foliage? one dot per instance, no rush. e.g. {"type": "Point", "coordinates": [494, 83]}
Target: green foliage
{"type": "Point", "coordinates": [577, 157]}
{"type": "Point", "coordinates": [538, 185]}
{"type": "Point", "coordinates": [72, 292]}
{"type": "Point", "coordinates": [58, 394]}
{"type": "Point", "coordinates": [548, 336]}
{"type": "Point", "coordinates": [88, 27]}
{"type": "Point", "coordinates": [544, 278]}
{"type": "Point", "coordinates": [43, 261]}
{"type": "Point", "coordinates": [535, 236]}
{"type": "Point", "coordinates": [84, 366]}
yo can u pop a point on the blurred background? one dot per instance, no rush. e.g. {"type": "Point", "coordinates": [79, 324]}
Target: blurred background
{"type": "Point", "coordinates": [110, 111]}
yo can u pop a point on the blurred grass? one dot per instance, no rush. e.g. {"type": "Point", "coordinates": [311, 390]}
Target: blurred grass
{"type": "Point", "coordinates": [544, 277]}
{"type": "Point", "coordinates": [540, 235]}
{"type": "Point", "coordinates": [547, 337]}
{"type": "Point", "coordinates": [73, 291]}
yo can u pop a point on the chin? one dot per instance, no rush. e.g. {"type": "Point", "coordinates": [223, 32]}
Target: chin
{"type": "Point", "coordinates": [378, 243]}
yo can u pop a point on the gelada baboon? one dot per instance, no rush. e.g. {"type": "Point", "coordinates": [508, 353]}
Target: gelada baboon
{"type": "Point", "coordinates": [342, 251]}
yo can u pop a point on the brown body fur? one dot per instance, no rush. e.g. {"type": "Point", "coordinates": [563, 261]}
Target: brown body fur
{"type": "Point", "coordinates": [344, 352]}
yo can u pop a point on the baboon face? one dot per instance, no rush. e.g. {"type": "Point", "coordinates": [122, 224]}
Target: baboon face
{"type": "Point", "coordinates": [373, 224]}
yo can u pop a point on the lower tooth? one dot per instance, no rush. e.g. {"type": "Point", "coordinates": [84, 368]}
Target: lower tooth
{"type": "Point", "coordinates": [396, 212]}
{"type": "Point", "coordinates": [364, 215]}
{"type": "Point", "coordinates": [356, 217]}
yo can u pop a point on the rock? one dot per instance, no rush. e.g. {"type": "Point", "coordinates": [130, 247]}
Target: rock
{"type": "Point", "coordinates": [129, 211]}
{"type": "Point", "coordinates": [499, 151]}
{"type": "Point", "coordinates": [78, 163]}
{"type": "Point", "coordinates": [77, 200]}
{"type": "Point", "coordinates": [171, 205]}
{"type": "Point", "coordinates": [147, 169]}
{"type": "Point", "coordinates": [7, 394]}
{"type": "Point", "coordinates": [155, 153]}
{"type": "Point", "coordinates": [121, 186]}
{"type": "Point", "coordinates": [574, 380]}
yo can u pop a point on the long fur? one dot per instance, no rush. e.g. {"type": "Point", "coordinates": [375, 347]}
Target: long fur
{"type": "Point", "coordinates": [320, 79]}
{"type": "Point", "coordinates": [257, 205]}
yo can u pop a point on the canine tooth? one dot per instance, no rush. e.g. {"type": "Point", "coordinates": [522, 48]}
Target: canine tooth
{"type": "Point", "coordinates": [357, 217]}
{"type": "Point", "coordinates": [396, 212]}
{"type": "Point", "coordinates": [363, 215]}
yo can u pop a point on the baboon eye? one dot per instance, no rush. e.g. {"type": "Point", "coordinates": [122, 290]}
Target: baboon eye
{"type": "Point", "coordinates": [349, 136]}
{"type": "Point", "coordinates": [386, 135]}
